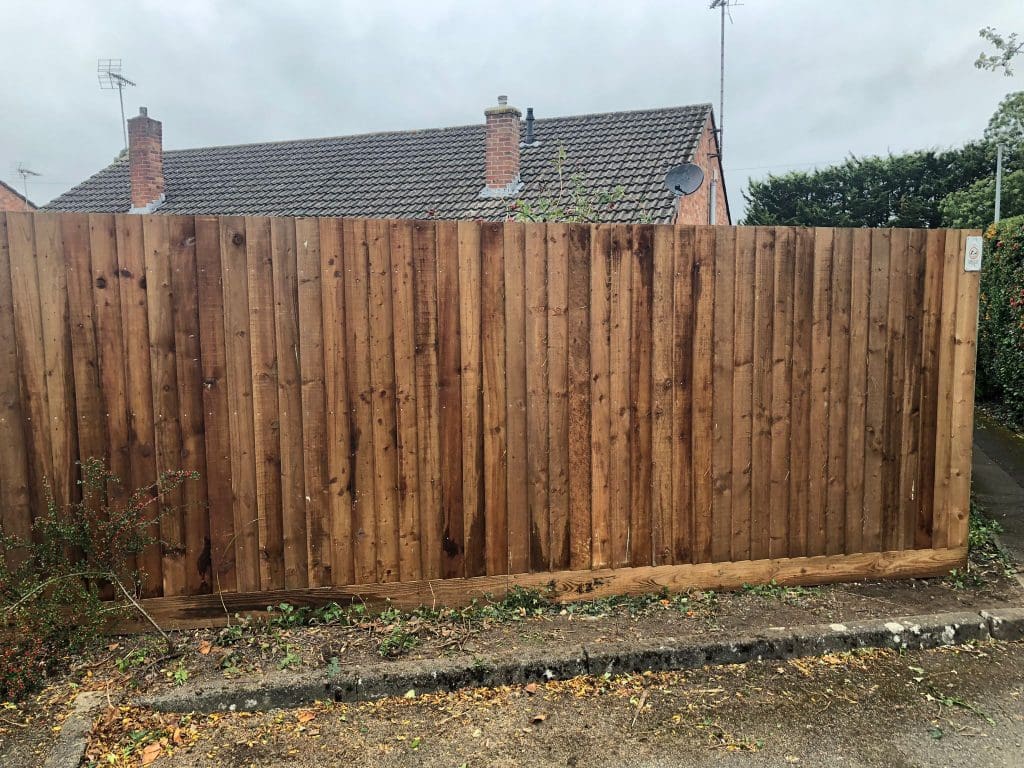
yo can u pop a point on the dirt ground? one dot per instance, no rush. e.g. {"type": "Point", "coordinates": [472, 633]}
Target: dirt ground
{"type": "Point", "coordinates": [950, 707]}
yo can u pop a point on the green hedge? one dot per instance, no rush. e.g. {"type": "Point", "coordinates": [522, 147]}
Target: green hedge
{"type": "Point", "coordinates": [1001, 319]}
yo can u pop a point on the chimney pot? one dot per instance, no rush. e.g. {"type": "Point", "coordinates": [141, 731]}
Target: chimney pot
{"type": "Point", "coordinates": [143, 111]}
{"type": "Point", "coordinates": [503, 101]}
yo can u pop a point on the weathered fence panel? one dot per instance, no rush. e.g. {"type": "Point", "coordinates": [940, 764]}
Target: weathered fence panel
{"type": "Point", "coordinates": [375, 406]}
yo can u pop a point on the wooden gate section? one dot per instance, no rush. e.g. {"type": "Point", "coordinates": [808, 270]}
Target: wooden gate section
{"type": "Point", "coordinates": [428, 410]}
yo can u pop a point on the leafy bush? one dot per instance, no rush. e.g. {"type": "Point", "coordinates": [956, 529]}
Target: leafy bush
{"type": "Point", "coordinates": [974, 205]}
{"type": "Point", "coordinates": [1001, 319]}
{"type": "Point", "coordinates": [53, 585]}
{"type": "Point", "coordinates": [24, 660]}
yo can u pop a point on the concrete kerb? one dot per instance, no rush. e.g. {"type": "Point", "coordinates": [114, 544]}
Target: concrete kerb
{"type": "Point", "coordinates": [429, 675]}
{"type": "Point", "coordinates": [67, 752]}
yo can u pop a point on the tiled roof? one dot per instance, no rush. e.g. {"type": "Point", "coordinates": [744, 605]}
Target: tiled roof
{"type": "Point", "coordinates": [434, 173]}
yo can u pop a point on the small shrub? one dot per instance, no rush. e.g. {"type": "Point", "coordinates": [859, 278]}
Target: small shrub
{"type": "Point", "coordinates": [1001, 320]}
{"type": "Point", "coordinates": [397, 642]}
{"type": "Point", "coordinates": [24, 661]}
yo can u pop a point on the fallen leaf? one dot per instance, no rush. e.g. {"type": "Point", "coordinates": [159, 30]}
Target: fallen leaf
{"type": "Point", "coordinates": [539, 718]}
{"type": "Point", "coordinates": [113, 646]}
{"type": "Point", "coordinates": [151, 752]}
{"type": "Point", "coordinates": [304, 716]}
{"type": "Point", "coordinates": [531, 688]}
{"type": "Point", "coordinates": [205, 647]}
{"type": "Point", "coordinates": [410, 694]}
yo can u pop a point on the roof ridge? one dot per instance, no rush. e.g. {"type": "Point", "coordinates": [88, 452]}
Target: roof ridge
{"type": "Point", "coordinates": [421, 131]}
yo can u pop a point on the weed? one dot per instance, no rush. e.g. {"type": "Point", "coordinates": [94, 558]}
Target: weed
{"type": "Point", "coordinates": [290, 658]}
{"type": "Point", "coordinates": [333, 667]}
{"type": "Point", "coordinates": [775, 591]}
{"type": "Point", "coordinates": [397, 642]}
{"type": "Point", "coordinates": [179, 674]}
{"type": "Point", "coordinates": [132, 660]}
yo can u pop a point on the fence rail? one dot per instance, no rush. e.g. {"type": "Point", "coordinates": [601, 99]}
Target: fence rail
{"type": "Point", "coordinates": [393, 401]}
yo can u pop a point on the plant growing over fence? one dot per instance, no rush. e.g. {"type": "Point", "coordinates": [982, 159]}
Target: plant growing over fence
{"type": "Point", "coordinates": [1001, 320]}
{"type": "Point", "coordinates": [53, 584]}
{"type": "Point", "coordinates": [569, 201]}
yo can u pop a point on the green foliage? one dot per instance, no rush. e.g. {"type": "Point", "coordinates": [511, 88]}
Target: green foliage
{"type": "Point", "coordinates": [53, 584]}
{"type": "Point", "coordinates": [398, 641]}
{"type": "Point", "coordinates": [1006, 126]}
{"type": "Point", "coordinates": [1006, 49]}
{"type": "Point", "coordinates": [571, 201]}
{"type": "Point", "coordinates": [24, 659]}
{"type": "Point", "coordinates": [973, 206]}
{"type": "Point", "coordinates": [1001, 318]}
{"type": "Point", "coordinates": [775, 591]}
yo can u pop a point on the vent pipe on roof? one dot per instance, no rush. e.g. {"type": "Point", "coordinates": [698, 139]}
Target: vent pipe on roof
{"type": "Point", "coordinates": [529, 126]}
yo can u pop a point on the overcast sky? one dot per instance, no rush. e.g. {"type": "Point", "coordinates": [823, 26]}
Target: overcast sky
{"type": "Point", "coordinates": [807, 81]}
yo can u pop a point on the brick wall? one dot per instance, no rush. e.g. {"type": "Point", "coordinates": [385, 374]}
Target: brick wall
{"type": "Point", "coordinates": [693, 209]}
{"type": "Point", "coordinates": [11, 201]}
{"type": "Point", "coordinates": [502, 150]}
{"type": "Point", "coordinates": [145, 158]}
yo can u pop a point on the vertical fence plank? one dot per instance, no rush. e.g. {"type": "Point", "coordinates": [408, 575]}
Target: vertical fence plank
{"type": "Point", "coordinates": [817, 521]}
{"type": "Point", "coordinates": [860, 282]}
{"type": "Point", "coordinates": [402, 284]}
{"type": "Point", "coordinates": [618, 438]}
{"type": "Point", "coordinates": [360, 397]}
{"type": "Point", "coordinates": [382, 383]}
{"type": "Point", "coordinates": [537, 396]}
{"type": "Point", "coordinates": [761, 434]}
{"type": "Point", "coordinates": [909, 451]}
{"type": "Point", "coordinates": [661, 398]}
{"type": "Point", "coordinates": [514, 257]}
{"type": "Point", "coordinates": [558, 414]}
{"type": "Point", "coordinates": [839, 385]}
{"type": "Point", "coordinates": [801, 427]}
{"type": "Point", "coordinates": [492, 335]}
{"type": "Point", "coordinates": [289, 404]}
{"type": "Point", "coordinates": [742, 390]}
{"type": "Point", "coordinates": [470, 321]}
{"type": "Point", "coordinates": [642, 264]}
{"type": "Point", "coordinates": [449, 363]}
{"type": "Point", "coordinates": [135, 333]}
{"type": "Point", "coordinates": [951, 272]}
{"type": "Point", "coordinates": [703, 359]}
{"type": "Point", "coordinates": [725, 305]}
{"type": "Point", "coordinates": [782, 361]}
{"type": "Point", "coordinates": [682, 395]}
{"type": "Point", "coordinates": [874, 408]}
{"type": "Point", "coordinates": [216, 419]}
{"type": "Point", "coordinates": [578, 373]}
{"type": "Point", "coordinates": [895, 375]}
{"type": "Point", "coordinates": [188, 369]}
{"type": "Point", "coordinates": [931, 319]}
{"type": "Point", "coordinates": [238, 355]}
{"type": "Point", "coordinates": [15, 495]}
{"type": "Point", "coordinates": [600, 395]}
{"type": "Point", "coordinates": [266, 424]}
{"type": "Point", "coordinates": [323, 265]}
{"type": "Point", "coordinates": [164, 382]}
{"type": "Point", "coordinates": [326, 458]}
{"type": "Point", "coordinates": [427, 405]}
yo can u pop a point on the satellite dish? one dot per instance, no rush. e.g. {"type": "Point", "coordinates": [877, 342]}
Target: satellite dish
{"type": "Point", "coordinates": [684, 179]}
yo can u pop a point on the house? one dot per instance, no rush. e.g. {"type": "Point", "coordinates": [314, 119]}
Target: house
{"type": "Point", "coordinates": [466, 172]}
{"type": "Point", "coordinates": [12, 200]}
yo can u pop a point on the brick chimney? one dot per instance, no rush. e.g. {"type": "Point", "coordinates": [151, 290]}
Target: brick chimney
{"type": "Point", "coordinates": [502, 150]}
{"type": "Point", "coordinates": [146, 162]}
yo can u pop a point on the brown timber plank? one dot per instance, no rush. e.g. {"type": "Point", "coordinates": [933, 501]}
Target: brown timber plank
{"type": "Point", "coordinates": [492, 333]}
{"type": "Point", "coordinates": [600, 400]}
{"type": "Point", "coordinates": [470, 322]}
{"type": "Point", "coordinates": [722, 394]}
{"type": "Point", "coordinates": [895, 375]}
{"type": "Point", "coordinates": [620, 300]}
{"type": "Point", "coordinates": [839, 389]}
{"type": "Point", "coordinates": [15, 496]}
{"type": "Point", "coordinates": [703, 394]}
{"type": "Point", "coordinates": [427, 404]}
{"type": "Point", "coordinates": [323, 354]}
{"type": "Point", "coordinates": [578, 371]}
{"type": "Point", "coordinates": [761, 434]}
{"type": "Point", "coordinates": [316, 489]}
{"type": "Point", "coordinates": [135, 333]}
{"type": "Point", "coordinates": [287, 337]}
{"type": "Point", "coordinates": [164, 381]}
{"type": "Point", "coordinates": [537, 396]}
{"type": "Point", "coordinates": [817, 467]}
{"type": "Point", "coordinates": [742, 391]}
{"type": "Point", "coordinates": [189, 375]}
{"type": "Point", "coordinates": [860, 282]}
{"type": "Point", "coordinates": [360, 397]}
{"type": "Point", "coordinates": [800, 431]}
{"type": "Point", "coordinates": [662, 522]}
{"type": "Point", "coordinates": [568, 586]}
{"type": "Point", "coordinates": [216, 418]}
{"type": "Point", "coordinates": [558, 393]}
{"type": "Point", "coordinates": [964, 371]}
{"type": "Point", "coordinates": [782, 363]}
{"type": "Point", "coordinates": [935, 245]}
{"type": "Point", "coordinates": [642, 264]}
{"type": "Point", "coordinates": [515, 388]}
{"type": "Point", "coordinates": [874, 408]}
{"type": "Point", "coordinates": [909, 452]}
{"type": "Point", "coordinates": [449, 362]}
{"type": "Point", "coordinates": [682, 395]}
{"type": "Point", "coordinates": [952, 268]}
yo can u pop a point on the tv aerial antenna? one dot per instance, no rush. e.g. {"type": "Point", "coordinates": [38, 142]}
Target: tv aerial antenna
{"type": "Point", "coordinates": [25, 173]}
{"type": "Point", "coordinates": [108, 72]}
{"type": "Point", "coordinates": [723, 6]}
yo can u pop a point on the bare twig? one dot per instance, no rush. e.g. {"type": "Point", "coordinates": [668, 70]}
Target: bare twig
{"type": "Point", "coordinates": [171, 645]}
{"type": "Point", "coordinates": [639, 707]}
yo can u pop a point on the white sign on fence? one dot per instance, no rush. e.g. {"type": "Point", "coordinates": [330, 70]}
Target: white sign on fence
{"type": "Point", "coordinates": [972, 256]}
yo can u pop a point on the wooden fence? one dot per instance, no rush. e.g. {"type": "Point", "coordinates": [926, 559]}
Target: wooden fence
{"type": "Point", "coordinates": [377, 405]}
